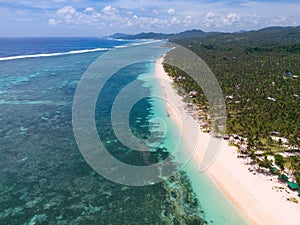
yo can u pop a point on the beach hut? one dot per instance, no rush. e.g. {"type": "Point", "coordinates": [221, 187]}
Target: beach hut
{"type": "Point", "coordinates": [274, 170]}
{"type": "Point", "coordinates": [288, 73]}
{"type": "Point", "coordinates": [193, 94]}
{"type": "Point", "coordinates": [230, 97]}
{"type": "Point", "coordinates": [226, 137]}
{"type": "Point", "coordinates": [283, 177]}
{"type": "Point", "coordinates": [293, 186]}
{"type": "Point", "coordinates": [235, 136]}
{"type": "Point", "coordinates": [274, 133]}
{"type": "Point", "coordinates": [243, 149]}
{"type": "Point", "coordinates": [271, 99]}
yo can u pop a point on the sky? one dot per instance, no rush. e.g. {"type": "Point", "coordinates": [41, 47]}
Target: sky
{"type": "Point", "coordinates": [103, 17]}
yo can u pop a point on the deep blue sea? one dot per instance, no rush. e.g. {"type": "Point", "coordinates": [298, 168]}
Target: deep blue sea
{"type": "Point", "coordinates": [44, 179]}
{"type": "Point", "coordinates": [39, 46]}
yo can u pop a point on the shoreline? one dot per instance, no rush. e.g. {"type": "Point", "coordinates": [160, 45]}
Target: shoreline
{"type": "Point", "coordinates": [251, 195]}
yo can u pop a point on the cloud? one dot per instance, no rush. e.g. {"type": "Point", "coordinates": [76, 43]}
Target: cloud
{"type": "Point", "coordinates": [133, 20]}
{"type": "Point", "coordinates": [68, 14]}
{"type": "Point", "coordinates": [230, 19]}
{"type": "Point", "coordinates": [133, 16]}
{"type": "Point", "coordinates": [171, 11]}
{"type": "Point", "coordinates": [175, 20]}
{"type": "Point", "coordinates": [110, 16]}
{"type": "Point", "coordinates": [66, 10]}
{"type": "Point", "coordinates": [149, 19]}
{"type": "Point", "coordinates": [89, 16]}
{"type": "Point", "coordinates": [89, 9]}
{"type": "Point", "coordinates": [53, 22]}
{"type": "Point", "coordinates": [146, 22]}
{"type": "Point", "coordinates": [155, 12]}
{"type": "Point", "coordinates": [187, 20]}
{"type": "Point", "coordinates": [210, 15]}
{"type": "Point", "coordinates": [109, 10]}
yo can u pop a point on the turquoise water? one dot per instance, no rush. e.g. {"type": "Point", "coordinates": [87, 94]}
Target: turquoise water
{"type": "Point", "coordinates": [43, 177]}
{"type": "Point", "coordinates": [159, 110]}
{"type": "Point", "coordinates": [216, 209]}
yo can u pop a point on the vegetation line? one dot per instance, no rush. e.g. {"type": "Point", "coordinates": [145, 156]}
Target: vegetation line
{"type": "Point", "coordinates": [259, 76]}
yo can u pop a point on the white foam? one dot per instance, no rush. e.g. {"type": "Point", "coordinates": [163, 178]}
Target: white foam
{"type": "Point", "coordinates": [73, 52]}
{"type": "Point", "coordinates": [144, 43]}
{"type": "Point", "coordinates": [53, 54]}
{"type": "Point", "coordinates": [122, 46]}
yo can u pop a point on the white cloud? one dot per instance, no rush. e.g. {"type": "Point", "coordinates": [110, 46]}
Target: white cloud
{"type": "Point", "coordinates": [109, 10]}
{"type": "Point", "coordinates": [188, 20]}
{"type": "Point", "coordinates": [230, 19]}
{"type": "Point", "coordinates": [68, 14]}
{"type": "Point", "coordinates": [89, 16]}
{"type": "Point", "coordinates": [146, 16]}
{"type": "Point", "coordinates": [89, 9]}
{"type": "Point", "coordinates": [233, 17]}
{"type": "Point", "coordinates": [154, 11]}
{"type": "Point", "coordinates": [220, 20]}
{"type": "Point", "coordinates": [171, 11]}
{"type": "Point", "coordinates": [110, 13]}
{"type": "Point", "coordinates": [133, 20]}
{"type": "Point", "coordinates": [53, 22]}
{"type": "Point", "coordinates": [210, 15]}
{"type": "Point", "coordinates": [146, 22]}
{"type": "Point", "coordinates": [66, 10]}
{"type": "Point", "coordinates": [174, 20]}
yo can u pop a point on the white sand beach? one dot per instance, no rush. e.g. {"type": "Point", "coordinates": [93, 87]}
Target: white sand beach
{"type": "Point", "coordinates": [253, 195]}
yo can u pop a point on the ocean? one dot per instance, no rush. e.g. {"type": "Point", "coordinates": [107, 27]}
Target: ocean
{"type": "Point", "coordinates": [44, 178]}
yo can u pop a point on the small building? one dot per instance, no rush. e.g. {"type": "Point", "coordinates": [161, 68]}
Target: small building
{"type": "Point", "coordinates": [231, 140]}
{"type": "Point", "coordinates": [243, 149]}
{"type": "Point", "coordinates": [226, 137]}
{"type": "Point", "coordinates": [235, 136]}
{"type": "Point", "coordinates": [230, 97]}
{"type": "Point", "coordinates": [179, 78]}
{"type": "Point", "coordinates": [283, 177]}
{"type": "Point", "coordinates": [274, 170]}
{"type": "Point", "coordinates": [283, 140]}
{"type": "Point", "coordinates": [293, 186]}
{"type": "Point", "coordinates": [193, 94]}
{"type": "Point", "coordinates": [271, 99]}
{"type": "Point", "coordinates": [274, 133]}
{"type": "Point", "coordinates": [288, 73]}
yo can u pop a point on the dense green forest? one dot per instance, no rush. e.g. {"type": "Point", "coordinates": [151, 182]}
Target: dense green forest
{"type": "Point", "coordinates": [259, 73]}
